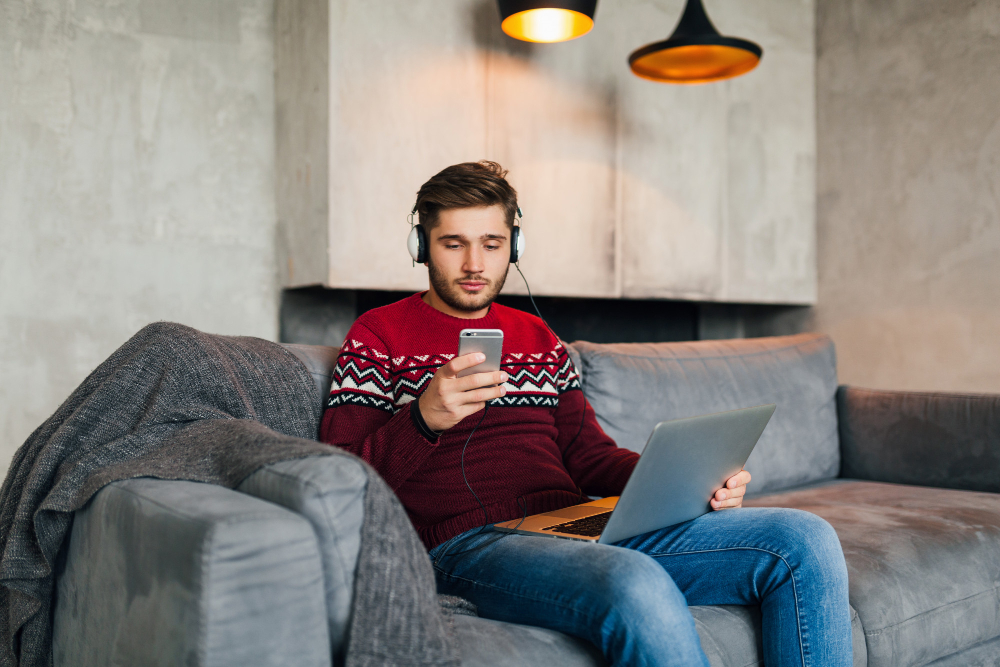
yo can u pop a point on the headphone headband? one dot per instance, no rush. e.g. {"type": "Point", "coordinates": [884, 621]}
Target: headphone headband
{"type": "Point", "coordinates": [519, 214]}
{"type": "Point", "coordinates": [417, 242]}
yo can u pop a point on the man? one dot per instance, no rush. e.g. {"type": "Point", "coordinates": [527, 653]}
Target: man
{"type": "Point", "coordinates": [398, 403]}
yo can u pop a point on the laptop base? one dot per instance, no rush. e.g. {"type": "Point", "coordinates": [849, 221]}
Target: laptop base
{"type": "Point", "coordinates": [542, 524]}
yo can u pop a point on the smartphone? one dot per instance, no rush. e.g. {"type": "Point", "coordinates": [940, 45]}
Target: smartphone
{"type": "Point", "coordinates": [487, 341]}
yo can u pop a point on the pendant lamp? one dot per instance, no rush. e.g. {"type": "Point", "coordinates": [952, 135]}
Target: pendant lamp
{"type": "Point", "coordinates": [695, 52]}
{"type": "Point", "coordinates": [547, 20]}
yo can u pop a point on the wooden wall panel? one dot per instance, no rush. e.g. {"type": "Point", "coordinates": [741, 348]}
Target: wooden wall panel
{"type": "Point", "coordinates": [630, 188]}
{"type": "Point", "coordinates": [553, 126]}
{"type": "Point", "coordinates": [771, 163]}
{"type": "Point", "coordinates": [302, 124]}
{"type": "Point", "coordinates": [407, 99]}
{"type": "Point", "coordinates": [719, 179]}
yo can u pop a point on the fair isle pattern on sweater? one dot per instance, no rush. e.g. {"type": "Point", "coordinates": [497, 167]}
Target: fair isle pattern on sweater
{"type": "Point", "coordinates": [365, 376]}
{"type": "Point", "coordinates": [535, 451]}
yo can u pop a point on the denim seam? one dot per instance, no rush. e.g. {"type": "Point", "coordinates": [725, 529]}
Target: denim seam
{"type": "Point", "coordinates": [791, 571]}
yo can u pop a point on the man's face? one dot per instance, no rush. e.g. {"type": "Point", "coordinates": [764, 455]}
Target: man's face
{"type": "Point", "coordinates": [469, 256]}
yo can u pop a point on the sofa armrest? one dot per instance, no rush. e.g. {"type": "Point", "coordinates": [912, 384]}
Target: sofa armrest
{"type": "Point", "coordinates": [162, 572]}
{"type": "Point", "coordinates": [928, 439]}
{"type": "Point", "coordinates": [329, 491]}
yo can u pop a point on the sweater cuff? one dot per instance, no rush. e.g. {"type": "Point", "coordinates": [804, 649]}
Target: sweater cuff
{"type": "Point", "coordinates": [418, 421]}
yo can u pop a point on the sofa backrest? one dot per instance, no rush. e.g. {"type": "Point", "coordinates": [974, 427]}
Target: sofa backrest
{"type": "Point", "coordinates": [633, 386]}
{"type": "Point", "coordinates": [320, 361]}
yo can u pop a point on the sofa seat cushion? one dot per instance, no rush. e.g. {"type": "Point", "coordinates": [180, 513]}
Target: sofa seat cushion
{"type": "Point", "coordinates": [986, 654]}
{"type": "Point", "coordinates": [632, 386]}
{"type": "Point", "coordinates": [923, 563]}
{"type": "Point", "coordinates": [486, 643]}
{"type": "Point", "coordinates": [730, 637]}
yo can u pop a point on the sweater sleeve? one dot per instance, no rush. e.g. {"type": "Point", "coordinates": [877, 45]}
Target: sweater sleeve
{"type": "Point", "coordinates": [597, 465]}
{"type": "Point", "coordinates": [362, 416]}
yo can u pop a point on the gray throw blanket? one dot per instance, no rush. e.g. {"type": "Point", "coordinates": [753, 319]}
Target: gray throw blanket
{"type": "Point", "coordinates": [175, 403]}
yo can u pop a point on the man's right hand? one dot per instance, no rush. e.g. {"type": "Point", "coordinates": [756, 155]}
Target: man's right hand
{"type": "Point", "coordinates": [449, 399]}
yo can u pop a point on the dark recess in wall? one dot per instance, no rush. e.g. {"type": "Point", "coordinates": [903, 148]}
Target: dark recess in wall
{"type": "Point", "coordinates": [318, 316]}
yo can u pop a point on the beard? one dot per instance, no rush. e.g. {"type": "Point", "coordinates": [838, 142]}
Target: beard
{"type": "Point", "coordinates": [452, 294]}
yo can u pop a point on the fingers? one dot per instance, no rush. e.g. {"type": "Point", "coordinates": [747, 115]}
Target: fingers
{"type": "Point", "coordinates": [730, 497]}
{"type": "Point", "coordinates": [461, 404]}
{"type": "Point", "coordinates": [448, 399]}
{"type": "Point", "coordinates": [728, 494]}
{"type": "Point", "coordinates": [478, 380]}
{"type": "Point", "coordinates": [458, 364]}
{"type": "Point", "coordinates": [726, 504]}
{"type": "Point", "coordinates": [742, 478]}
{"type": "Point", "coordinates": [482, 395]}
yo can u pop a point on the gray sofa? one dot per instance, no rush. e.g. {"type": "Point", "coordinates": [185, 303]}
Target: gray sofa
{"type": "Point", "coordinates": [168, 573]}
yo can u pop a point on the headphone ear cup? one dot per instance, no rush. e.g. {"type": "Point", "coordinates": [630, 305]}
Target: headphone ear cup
{"type": "Point", "coordinates": [516, 244]}
{"type": "Point", "coordinates": [416, 244]}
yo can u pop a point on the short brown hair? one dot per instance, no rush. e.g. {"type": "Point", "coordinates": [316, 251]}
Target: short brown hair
{"type": "Point", "coordinates": [466, 185]}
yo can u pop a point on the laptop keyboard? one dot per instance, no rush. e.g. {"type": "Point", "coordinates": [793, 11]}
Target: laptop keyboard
{"type": "Point", "coordinates": [588, 526]}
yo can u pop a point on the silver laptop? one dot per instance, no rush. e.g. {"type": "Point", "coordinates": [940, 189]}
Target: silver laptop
{"type": "Point", "coordinates": [684, 463]}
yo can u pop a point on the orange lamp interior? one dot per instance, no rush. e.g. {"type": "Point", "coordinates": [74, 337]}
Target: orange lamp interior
{"type": "Point", "coordinates": [695, 64]}
{"type": "Point", "coordinates": [547, 25]}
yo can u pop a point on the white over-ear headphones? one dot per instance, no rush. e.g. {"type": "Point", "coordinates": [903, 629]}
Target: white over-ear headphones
{"type": "Point", "coordinates": [416, 242]}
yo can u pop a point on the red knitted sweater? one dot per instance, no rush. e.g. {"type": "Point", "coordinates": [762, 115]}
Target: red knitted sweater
{"type": "Point", "coordinates": [527, 454]}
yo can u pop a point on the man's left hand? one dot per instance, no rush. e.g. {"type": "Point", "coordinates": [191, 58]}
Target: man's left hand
{"type": "Point", "coordinates": [731, 495]}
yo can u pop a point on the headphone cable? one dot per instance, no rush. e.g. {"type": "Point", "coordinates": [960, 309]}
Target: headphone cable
{"type": "Point", "coordinates": [486, 516]}
{"type": "Point", "coordinates": [520, 500]}
{"type": "Point", "coordinates": [583, 414]}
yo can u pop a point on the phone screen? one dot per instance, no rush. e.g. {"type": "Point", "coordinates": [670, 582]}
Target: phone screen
{"type": "Point", "coordinates": [487, 341]}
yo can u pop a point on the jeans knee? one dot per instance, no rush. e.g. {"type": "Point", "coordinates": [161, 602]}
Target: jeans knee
{"type": "Point", "coordinates": [641, 617]}
{"type": "Point", "coordinates": [637, 587]}
{"type": "Point", "coordinates": [824, 544]}
{"type": "Point", "coordinates": [811, 543]}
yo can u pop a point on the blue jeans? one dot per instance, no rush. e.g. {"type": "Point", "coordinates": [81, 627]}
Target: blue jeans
{"type": "Point", "coordinates": [631, 599]}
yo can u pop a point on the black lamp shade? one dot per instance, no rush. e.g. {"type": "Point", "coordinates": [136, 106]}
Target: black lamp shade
{"type": "Point", "coordinates": [695, 52]}
{"type": "Point", "coordinates": [547, 20]}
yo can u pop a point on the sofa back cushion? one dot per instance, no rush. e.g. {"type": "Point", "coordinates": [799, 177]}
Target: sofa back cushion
{"type": "Point", "coordinates": [633, 386]}
{"type": "Point", "coordinates": [320, 361]}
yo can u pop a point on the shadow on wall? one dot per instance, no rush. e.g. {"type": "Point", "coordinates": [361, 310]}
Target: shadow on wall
{"type": "Point", "coordinates": [484, 19]}
{"type": "Point", "coordinates": [318, 316]}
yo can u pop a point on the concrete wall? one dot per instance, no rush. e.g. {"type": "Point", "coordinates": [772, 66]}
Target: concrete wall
{"type": "Point", "coordinates": [908, 93]}
{"type": "Point", "coordinates": [136, 184]}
